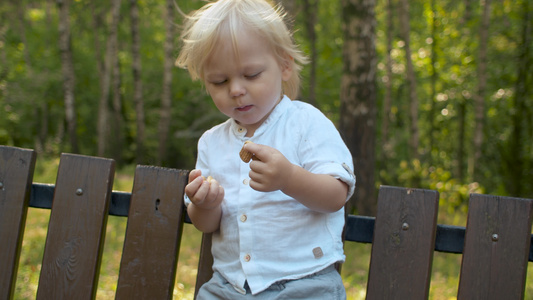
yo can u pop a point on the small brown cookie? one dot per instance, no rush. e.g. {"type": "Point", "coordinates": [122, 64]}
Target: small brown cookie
{"type": "Point", "coordinates": [246, 156]}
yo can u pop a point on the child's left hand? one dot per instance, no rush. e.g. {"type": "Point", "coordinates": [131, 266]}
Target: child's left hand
{"type": "Point", "coordinates": [272, 171]}
{"type": "Point", "coordinates": [319, 192]}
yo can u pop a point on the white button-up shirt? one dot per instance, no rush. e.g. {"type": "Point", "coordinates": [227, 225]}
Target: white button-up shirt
{"type": "Point", "coordinates": [268, 237]}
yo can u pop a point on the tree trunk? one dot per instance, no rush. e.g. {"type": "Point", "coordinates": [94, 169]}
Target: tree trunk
{"type": "Point", "coordinates": [519, 167]}
{"type": "Point", "coordinates": [21, 26]}
{"type": "Point", "coordinates": [411, 80]}
{"type": "Point", "coordinates": [118, 137]}
{"type": "Point", "coordinates": [461, 147]}
{"type": "Point", "coordinates": [44, 115]}
{"type": "Point", "coordinates": [434, 77]}
{"type": "Point", "coordinates": [387, 101]}
{"type": "Point", "coordinates": [3, 56]}
{"type": "Point", "coordinates": [479, 100]}
{"type": "Point", "coordinates": [358, 97]}
{"type": "Point", "coordinates": [96, 25]}
{"type": "Point", "coordinates": [110, 56]}
{"type": "Point", "coordinates": [164, 122]}
{"type": "Point", "coordinates": [291, 7]}
{"type": "Point", "coordinates": [22, 31]}
{"type": "Point", "coordinates": [468, 13]}
{"type": "Point", "coordinates": [462, 108]}
{"type": "Point", "coordinates": [310, 8]}
{"type": "Point", "coordinates": [67, 69]}
{"type": "Point", "coordinates": [137, 82]}
{"type": "Point", "coordinates": [43, 131]}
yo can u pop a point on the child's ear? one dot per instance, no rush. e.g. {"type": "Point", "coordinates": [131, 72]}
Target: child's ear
{"type": "Point", "coordinates": [286, 67]}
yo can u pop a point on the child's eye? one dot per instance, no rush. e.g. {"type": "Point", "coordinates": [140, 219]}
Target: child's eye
{"type": "Point", "coordinates": [255, 75]}
{"type": "Point", "coordinates": [220, 82]}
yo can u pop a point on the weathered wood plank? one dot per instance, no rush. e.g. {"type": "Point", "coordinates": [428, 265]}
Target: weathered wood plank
{"type": "Point", "coordinates": [404, 239]}
{"type": "Point", "coordinates": [205, 262]}
{"type": "Point", "coordinates": [496, 250]}
{"type": "Point", "coordinates": [16, 174]}
{"type": "Point", "coordinates": [153, 234]}
{"type": "Point", "coordinates": [76, 231]}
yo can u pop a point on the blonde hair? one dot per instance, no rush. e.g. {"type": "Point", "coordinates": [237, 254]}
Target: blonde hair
{"type": "Point", "coordinates": [204, 27]}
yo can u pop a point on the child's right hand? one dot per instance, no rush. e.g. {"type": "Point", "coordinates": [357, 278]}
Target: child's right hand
{"type": "Point", "coordinates": [203, 194]}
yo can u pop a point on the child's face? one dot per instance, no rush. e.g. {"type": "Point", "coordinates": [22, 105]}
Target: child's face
{"type": "Point", "coordinates": [246, 88]}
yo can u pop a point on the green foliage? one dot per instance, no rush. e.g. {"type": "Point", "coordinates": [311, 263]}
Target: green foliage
{"type": "Point", "coordinates": [456, 61]}
{"type": "Point", "coordinates": [445, 52]}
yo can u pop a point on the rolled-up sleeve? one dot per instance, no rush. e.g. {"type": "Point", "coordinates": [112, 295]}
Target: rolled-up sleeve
{"type": "Point", "coordinates": [322, 150]}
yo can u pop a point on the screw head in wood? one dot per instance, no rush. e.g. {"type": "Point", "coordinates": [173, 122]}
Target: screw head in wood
{"type": "Point", "coordinates": [495, 237]}
{"type": "Point", "coordinates": [79, 192]}
{"type": "Point", "coordinates": [405, 226]}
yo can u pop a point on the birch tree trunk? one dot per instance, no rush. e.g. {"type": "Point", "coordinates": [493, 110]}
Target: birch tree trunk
{"type": "Point", "coordinates": [67, 69]}
{"type": "Point", "coordinates": [137, 82]}
{"type": "Point", "coordinates": [479, 98]}
{"type": "Point", "coordinates": [358, 97]}
{"type": "Point", "coordinates": [411, 80]}
{"type": "Point", "coordinates": [110, 57]}
{"type": "Point", "coordinates": [164, 122]}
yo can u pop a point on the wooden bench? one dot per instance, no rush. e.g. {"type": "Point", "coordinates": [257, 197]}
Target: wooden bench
{"type": "Point", "coordinates": [495, 245]}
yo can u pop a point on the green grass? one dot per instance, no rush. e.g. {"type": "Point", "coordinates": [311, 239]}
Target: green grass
{"type": "Point", "coordinates": [445, 271]}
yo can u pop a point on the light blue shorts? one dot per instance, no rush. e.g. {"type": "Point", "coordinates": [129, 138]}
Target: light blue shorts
{"type": "Point", "coordinates": [325, 284]}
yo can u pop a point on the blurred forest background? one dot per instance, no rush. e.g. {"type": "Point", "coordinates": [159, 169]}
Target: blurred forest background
{"type": "Point", "coordinates": [432, 94]}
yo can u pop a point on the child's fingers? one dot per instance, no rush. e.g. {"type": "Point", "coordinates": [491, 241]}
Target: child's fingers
{"type": "Point", "coordinates": [194, 174]}
{"type": "Point", "coordinates": [210, 195]}
{"type": "Point", "coordinates": [192, 189]}
{"type": "Point", "coordinates": [259, 151]}
{"type": "Point", "coordinates": [220, 195]}
{"type": "Point", "coordinates": [205, 194]}
{"type": "Point", "coordinates": [216, 193]}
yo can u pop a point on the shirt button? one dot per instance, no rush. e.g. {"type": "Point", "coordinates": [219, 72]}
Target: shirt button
{"type": "Point", "coordinates": [245, 181]}
{"type": "Point", "coordinates": [247, 257]}
{"type": "Point", "coordinates": [243, 218]}
{"type": "Point", "coordinates": [240, 129]}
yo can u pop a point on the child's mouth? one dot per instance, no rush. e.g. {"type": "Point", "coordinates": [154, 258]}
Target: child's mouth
{"type": "Point", "coordinates": [244, 108]}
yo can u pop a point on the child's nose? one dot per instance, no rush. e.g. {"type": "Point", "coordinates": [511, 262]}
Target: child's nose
{"type": "Point", "coordinates": [236, 88]}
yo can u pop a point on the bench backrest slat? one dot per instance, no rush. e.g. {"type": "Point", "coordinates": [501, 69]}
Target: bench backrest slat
{"type": "Point", "coordinates": [403, 244]}
{"type": "Point", "coordinates": [205, 262]}
{"type": "Point", "coordinates": [76, 231]}
{"type": "Point", "coordinates": [496, 250]}
{"type": "Point", "coordinates": [153, 234]}
{"type": "Point", "coordinates": [16, 175]}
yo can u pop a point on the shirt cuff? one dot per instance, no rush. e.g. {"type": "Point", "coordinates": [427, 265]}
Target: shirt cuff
{"type": "Point", "coordinates": [344, 173]}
